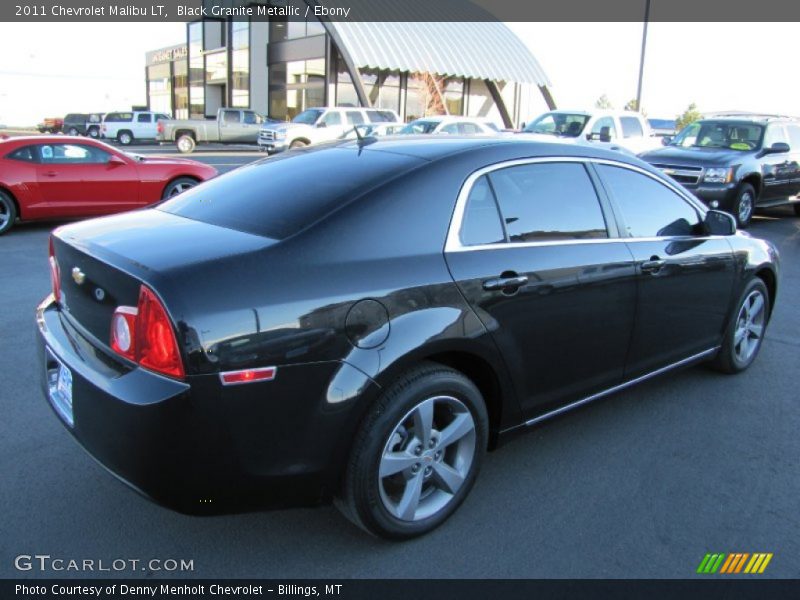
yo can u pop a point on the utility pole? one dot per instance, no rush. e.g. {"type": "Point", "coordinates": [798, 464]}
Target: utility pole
{"type": "Point", "coordinates": [641, 61]}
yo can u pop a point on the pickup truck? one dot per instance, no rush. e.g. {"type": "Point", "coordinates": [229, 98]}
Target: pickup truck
{"type": "Point", "coordinates": [232, 126]}
{"type": "Point", "coordinates": [617, 130]}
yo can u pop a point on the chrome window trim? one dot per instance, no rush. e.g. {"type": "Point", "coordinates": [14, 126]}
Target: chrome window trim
{"type": "Point", "coordinates": [453, 242]}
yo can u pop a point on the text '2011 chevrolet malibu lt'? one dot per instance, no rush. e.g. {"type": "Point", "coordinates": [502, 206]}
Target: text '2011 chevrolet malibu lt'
{"type": "Point", "coordinates": [359, 323]}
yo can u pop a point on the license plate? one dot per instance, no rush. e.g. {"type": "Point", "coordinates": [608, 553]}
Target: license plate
{"type": "Point", "coordinates": [59, 386]}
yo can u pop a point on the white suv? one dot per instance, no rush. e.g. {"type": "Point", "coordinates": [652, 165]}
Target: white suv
{"type": "Point", "coordinates": [129, 126]}
{"type": "Point", "coordinates": [315, 125]}
{"type": "Point", "coordinates": [613, 129]}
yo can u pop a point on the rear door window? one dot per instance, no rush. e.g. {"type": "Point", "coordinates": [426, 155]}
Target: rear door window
{"type": "Point", "coordinates": [25, 154]}
{"type": "Point", "coordinates": [354, 117]}
{"type": "Point", "coordinates": [144, 118]}
{"type": "Point", "coordinates": [481, 222]}
{"type": "Point", "coordinates": [631, 127]}
{"type": "Point", "coordinates": [123, 117]}
{"type": "Point", "coordinates": [548, 202]}
{"type": "Point", "coordinates": [230, 116]}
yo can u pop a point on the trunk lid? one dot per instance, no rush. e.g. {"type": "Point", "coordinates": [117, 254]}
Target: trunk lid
{"type": "Point", "coordinates": [103, 262]}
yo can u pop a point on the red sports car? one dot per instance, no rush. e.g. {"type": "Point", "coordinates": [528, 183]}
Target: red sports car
{"type": "Point", "coordinates": [57, 176]}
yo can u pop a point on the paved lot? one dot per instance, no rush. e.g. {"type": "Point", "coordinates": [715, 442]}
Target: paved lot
{"type": "Point", "coordinates": [642, 484]}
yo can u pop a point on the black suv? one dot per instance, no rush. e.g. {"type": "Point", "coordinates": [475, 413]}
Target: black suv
{"type": "Point", "coordinates": [736, 163]}
{"type": "Point", "coordinates": [83, 124]}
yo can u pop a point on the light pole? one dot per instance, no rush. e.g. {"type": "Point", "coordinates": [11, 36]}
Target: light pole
{"type": "Point", "coordinates": [641, 61]}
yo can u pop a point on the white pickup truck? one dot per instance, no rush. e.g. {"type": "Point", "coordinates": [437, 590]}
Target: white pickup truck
{"type": "Point", "coordinates": [323, 124]}
{"type": "Point", "coordinates": [617, 130]}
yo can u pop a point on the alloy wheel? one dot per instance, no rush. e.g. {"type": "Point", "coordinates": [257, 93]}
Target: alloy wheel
{"type": "Point", "coordinates": [5, 214]}
{"type": "Point", "coordinates": [749, 326]}
{"type": "Point", "coordinates": [427, 458]}
{"type": "Point", "coordinates": [745, 207]}
{"type": "Point", "coordinates": [178, 188]}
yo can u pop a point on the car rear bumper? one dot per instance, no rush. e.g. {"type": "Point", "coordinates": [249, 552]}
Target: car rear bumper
{"type": "Point", "coordinates": [196, 446]}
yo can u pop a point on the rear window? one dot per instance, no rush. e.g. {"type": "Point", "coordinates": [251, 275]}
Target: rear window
{"type": "Point", "coordinates": [279, 196]}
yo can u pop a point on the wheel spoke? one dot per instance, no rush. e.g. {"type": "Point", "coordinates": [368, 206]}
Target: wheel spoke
{"type": "Point", "coordinates": [740, 334]}
{"type": "Point", "coordinates": [447, 478]}
{"type": "Point", "coordinates": [756, 307]}
{"type": "Point", "coordinates": [423, 422]}
{"type": "Point", "coordinates": [756, 330]}
{"type": "Point", "coordinates": [460, 427]}
{"type": "Point", "coordinates": [408, 504]}
{"type": "Point", "coordinates": [394, 462]}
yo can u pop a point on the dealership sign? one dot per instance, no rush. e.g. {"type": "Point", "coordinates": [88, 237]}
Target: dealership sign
{"type": "Point", "coordinates": [167, 54]}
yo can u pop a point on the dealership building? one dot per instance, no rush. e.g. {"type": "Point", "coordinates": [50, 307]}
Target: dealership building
{"type": "Point", "coordinates": [279, 67]}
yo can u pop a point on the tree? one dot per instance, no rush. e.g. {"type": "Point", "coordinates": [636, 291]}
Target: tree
{"type": "Point", "coordinates": [689, 116]}
{"type": "Point", "coordinates": [631, 106]}
{"type": "Point", "coordinates": [603, 102]}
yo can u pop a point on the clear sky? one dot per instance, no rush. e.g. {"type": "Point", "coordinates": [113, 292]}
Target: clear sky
{"type": "Point", "coordinates": [49, 69]}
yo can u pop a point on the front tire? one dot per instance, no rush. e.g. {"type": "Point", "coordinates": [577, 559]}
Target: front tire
{"type": "Point", "coordinates": [746, 329]}
{"type": "Point", "coordinates": [416, 455]}
{"type": "Point", "coordinates": [176, 186]}
{"type": "Point", "coordinates": [298, 144]}
{"type": "Point", "coordinates": [94, 132]}
{"type": "Point", "coordinates": [796, 206]}
{"type": "Point", "coordinates": [125, 138]}
{"type": "Point", "coordinates": [8, 212]}
{"type": "Point", "coordinates": [72, 131]}
{"type": "Point", "coordinates": [744, 205]}
{"type": "Point", "coordinates": [185, 144]}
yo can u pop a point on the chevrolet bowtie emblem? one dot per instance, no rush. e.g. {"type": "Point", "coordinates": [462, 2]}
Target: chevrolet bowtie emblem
{"type": "Point", "coordinates": [78, 276]}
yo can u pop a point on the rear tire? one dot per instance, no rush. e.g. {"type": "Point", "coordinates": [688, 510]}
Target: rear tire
{"type": "Point", "coordinates": [125, 138]}
{"type": "Point", "coordinates": [185, 144]}
{"type": "Point", "coordinates": [796, 206]}
{"type": "Point", "coordinates": [177, 186]}
{"type": "Point", "coordinates": [416, 455]}
{"type": "Point", "coordinates": [746, 329]}
{"type": "Point", "coordinates": [94, 132]}
{"type": "Point", "coordinates": [72, 131]}
{"type": "Point", "coordinates": [8, 212]}
{"type": "Point", "coordinates": [744, 205]}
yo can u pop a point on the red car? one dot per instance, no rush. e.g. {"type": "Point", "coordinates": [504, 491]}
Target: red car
{"type": "Point", "coordinates": [57, 176]}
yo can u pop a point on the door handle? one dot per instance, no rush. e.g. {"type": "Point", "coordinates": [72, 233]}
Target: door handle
{"type": "Point", "coordinates": [50, 173]}
{"type": "Point", "coordinates": [504, 283]}
{"type": "Point", "coordinates": [654, 265]}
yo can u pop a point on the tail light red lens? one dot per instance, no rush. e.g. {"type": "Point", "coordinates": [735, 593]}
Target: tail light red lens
{"type": "Point", "coordinates": [55, 273]}
{"type": "Point", "coordinates": [145, 335]}
{"type": "Point", "coordinates": [160, 127]}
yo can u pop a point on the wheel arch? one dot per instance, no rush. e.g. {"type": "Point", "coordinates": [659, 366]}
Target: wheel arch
{"type": "Point", "coordinates": [767, 275]}
{"type": "Point", "coordinates": [179, 176]}
{"type": "Point", "coordinates": [755, 180]}
{"type": "Point", "coordinates": [181, 132]}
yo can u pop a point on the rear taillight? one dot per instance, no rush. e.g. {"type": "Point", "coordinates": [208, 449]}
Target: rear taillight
{"type": "Point", "coordinates": [160, 127]}
{"type": "Point", "coordinates": [55, 273]}
{"type": "Point", "coordinates": [145, 335]}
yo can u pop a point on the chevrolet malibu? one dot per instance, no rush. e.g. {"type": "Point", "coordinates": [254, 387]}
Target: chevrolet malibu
{"type": "Point", "coordinates": [366, 338]}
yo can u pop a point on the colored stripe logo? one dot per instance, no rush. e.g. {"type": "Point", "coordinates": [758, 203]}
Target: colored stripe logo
{"type": "Point", "coordinates": [733, 563]}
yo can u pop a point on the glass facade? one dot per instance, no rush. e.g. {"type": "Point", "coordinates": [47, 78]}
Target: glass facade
{"type": "Point", "coordinates": [295, 86]}
{"type": "Point", "coordinates": [240, 64]}
{"type": "Point", "coordinates": [159, 85]}
{"type": "Point", "coordinates": [181, 89]}
{"type": "Point", "coordinates": [197, 100]}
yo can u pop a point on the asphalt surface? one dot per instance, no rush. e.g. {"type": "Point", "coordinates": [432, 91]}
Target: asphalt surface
{"type": "Point", "coordinates": [641, 484]}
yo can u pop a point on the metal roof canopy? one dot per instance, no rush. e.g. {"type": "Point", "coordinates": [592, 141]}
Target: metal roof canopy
{"type": "Point", "coordinates": [478, 50]}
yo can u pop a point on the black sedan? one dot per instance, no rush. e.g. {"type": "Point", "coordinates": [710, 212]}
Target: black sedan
{"type": "Point", "coordinates": [360, 323]}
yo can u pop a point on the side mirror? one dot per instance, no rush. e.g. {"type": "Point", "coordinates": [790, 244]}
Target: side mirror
{"type": "Point", "coordinates": [115, 161]}
{"type": "Point", "coordinates": [321, 125]}
{"type": "Point", "coordinates": [776, 148]}
{"type": "Point", "coordinates": [719, 223]}
{"type": "Point", "coordinates": [666, 140]}
{"type": "Point", "coordinates": [605, 134]}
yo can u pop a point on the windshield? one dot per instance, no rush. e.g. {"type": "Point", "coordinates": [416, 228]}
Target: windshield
{"type": "Point", "coordinates": [419, 127]}
{"type": "Point", "coordinates": [560, 124]}
{"type": "Point", "coordinates": [308, 117]}
{"type": "Point", "coordinates": [720, 134]}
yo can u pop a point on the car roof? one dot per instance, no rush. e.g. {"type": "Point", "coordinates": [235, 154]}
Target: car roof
{"type": "Point", "coordinates": [433, 148]}
{"type": "Point", "coordinates": [760, 119]}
